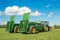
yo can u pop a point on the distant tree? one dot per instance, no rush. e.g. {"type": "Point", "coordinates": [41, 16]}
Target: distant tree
{"type": "Point", "coordinates": [56, 26]}
{"type": "Point", "coordinates": [2, 26]}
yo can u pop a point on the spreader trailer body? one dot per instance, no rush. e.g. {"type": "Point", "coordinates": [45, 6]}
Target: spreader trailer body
{"type": "Point", "coordinates": [25, 26]}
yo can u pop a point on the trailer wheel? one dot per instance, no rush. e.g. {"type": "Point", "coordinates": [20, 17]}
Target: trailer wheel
{"type": "Point", "coordinates": [11, 31]}
{"type": "Point", "coordinates": [16, 29]}
{"type": "Point", "coordinates": [46, 29]}
{"type": "Point", "coordinates": [32, 30]}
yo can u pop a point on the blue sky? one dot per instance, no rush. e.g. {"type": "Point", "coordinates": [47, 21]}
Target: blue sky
{"type": "Point", "coordinates": [48, 10]}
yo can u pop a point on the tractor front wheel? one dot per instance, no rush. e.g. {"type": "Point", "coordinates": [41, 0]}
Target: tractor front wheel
{"type": "Point", "coordinates": [45, 29]}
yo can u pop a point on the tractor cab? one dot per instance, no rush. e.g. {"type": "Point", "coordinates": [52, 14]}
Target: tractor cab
{"type": "Point", "coordinates": [45, 22]}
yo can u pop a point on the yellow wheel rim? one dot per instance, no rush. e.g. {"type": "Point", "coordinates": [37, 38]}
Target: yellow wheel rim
{"type": "Point", "coordinates": [16, 29]}
{"type": "Point", "coordinates": [46, 29]}
{"type": "Point", "coordinates": [50, 29]}
{"type": "Point", "coordinates": [33, 30]}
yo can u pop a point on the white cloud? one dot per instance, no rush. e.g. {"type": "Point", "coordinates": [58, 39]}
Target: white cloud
{"type": "Point", "coordinates": [11, 10]}
{"type": "Point", "coordinates": [0, 13]}
{"type": "Point", "coordinates": [15, 10]}
{"type": "Point", "coordinates": [48, 5]}
{"type": "Point", "coordinates": [36, 13]}
{"type": "Point", "coordinates": [50, 14]}
{"type": "Point", "coordinates": [23, 10]}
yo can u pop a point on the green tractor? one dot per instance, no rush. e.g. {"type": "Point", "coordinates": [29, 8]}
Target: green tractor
{"type": "Point", "coordinates": [27, 27]}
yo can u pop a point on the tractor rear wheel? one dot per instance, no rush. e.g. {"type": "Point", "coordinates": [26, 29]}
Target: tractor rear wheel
{"type": "Point", "coordinates": [32, 30]}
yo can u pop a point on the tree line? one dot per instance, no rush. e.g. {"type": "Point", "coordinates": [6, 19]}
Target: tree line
{"type": "Point", "coordinates": [56, 26]}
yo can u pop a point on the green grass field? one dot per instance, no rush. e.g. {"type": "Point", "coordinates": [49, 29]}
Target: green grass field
{"type": "Point", "coordinates": [51, 35]}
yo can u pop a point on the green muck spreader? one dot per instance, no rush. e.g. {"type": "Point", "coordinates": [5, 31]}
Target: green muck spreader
{"type": "Point", "coordinates": [27, 27]}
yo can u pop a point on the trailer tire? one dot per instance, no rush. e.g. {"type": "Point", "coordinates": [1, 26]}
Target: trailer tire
{"type": "Point", "coordinates": [32, 30]}
{"type": "Point", "coordinates": [16, 29]}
